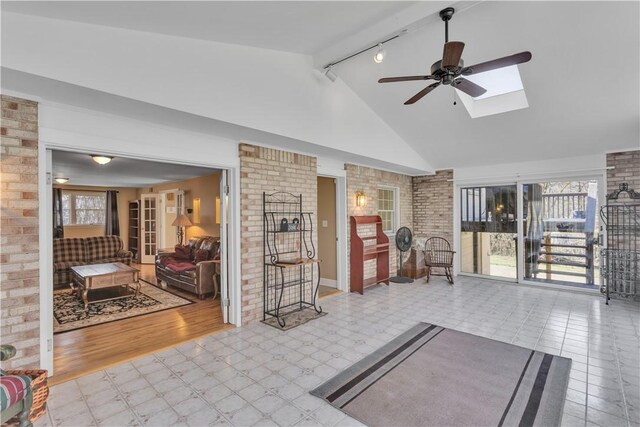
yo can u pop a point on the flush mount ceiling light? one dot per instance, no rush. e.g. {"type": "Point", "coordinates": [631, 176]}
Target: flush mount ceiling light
{"type": "Point", "coordinates": [378, 57]}
{"type": "Point", "coordinates": [101, 160]}
{"type": "Point", "coordinates": [61, 180]}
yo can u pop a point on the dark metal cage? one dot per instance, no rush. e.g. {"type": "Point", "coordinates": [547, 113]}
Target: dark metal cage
{"type": "Point", "coordinates": [621, 256]}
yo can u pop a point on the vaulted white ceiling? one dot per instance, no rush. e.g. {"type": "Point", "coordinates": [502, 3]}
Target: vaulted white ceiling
{"type": "Point", "coordinates": [582, 83]}
{"type": "Point", "coordinates": [299, 27]}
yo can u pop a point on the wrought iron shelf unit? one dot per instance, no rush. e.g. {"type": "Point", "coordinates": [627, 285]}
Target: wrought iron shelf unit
{"type": "Point", "coordinates": [291, 271]}
{"type": "Point", "coordinates": [621, 255]}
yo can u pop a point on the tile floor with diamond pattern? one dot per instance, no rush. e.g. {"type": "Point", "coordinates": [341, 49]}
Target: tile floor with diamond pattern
{"type": "Point", "coordinates": [257, 375]}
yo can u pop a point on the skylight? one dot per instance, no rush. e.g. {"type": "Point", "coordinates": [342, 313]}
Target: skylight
{"type": "Point", "coordinates": [505, 92]}
{"type": "Point", "coordinates": [498, 82]}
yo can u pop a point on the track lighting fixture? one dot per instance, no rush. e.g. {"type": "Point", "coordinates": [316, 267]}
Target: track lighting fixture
{"type": "Point", "coordinates": [328, 73]}
{"type": "Point", "coordinates": [378, 57]}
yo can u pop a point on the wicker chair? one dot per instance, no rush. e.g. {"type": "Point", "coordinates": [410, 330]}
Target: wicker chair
{"type": "Point", "coordinates": [17, 396]}
{"type": "Point", "coordinates": [438, 254]}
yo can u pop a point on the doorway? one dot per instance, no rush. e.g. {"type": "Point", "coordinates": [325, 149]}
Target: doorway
{"type": "Point", "coordinates": [166, 313]}
{"type": "Point", "coordinates": [327, 235]}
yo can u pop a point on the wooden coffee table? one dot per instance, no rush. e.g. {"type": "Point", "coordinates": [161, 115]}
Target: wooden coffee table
{"type": "Point", "coordinates": [104, 282]}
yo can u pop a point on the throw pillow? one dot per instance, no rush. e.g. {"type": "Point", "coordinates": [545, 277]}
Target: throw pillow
{"type": "Point", "coordinates": [201, 255]}
{"type": "Point", "coordinates": [182, 252]}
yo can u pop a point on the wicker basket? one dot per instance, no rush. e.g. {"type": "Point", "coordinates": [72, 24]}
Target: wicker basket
{"type": "Point", "coordinates": [39, 388]}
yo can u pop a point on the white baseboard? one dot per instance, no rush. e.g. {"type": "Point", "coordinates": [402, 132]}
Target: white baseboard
{"type": "Point", "coordinates": [328, 282]}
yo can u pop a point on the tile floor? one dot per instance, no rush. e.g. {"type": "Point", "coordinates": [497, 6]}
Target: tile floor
{"type": "Point", "coordinates": [257, 375]}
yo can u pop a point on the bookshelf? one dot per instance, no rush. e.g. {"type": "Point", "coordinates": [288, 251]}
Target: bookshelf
{"type": "Point", "coordinates": [367, 245]}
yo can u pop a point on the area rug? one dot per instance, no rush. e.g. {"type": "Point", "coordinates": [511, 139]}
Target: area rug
{"type": "Point", "coordinates": [432, 376]}
{"type": "Point", "coordinates": [294, 319]}
{"type": "Point", "coordinates": [69, 312]}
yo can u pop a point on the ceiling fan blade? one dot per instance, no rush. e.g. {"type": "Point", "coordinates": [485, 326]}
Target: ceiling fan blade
{"type": "Point", "coordinates": [518, 58]}
{"type": "Point", "coordinates": [469, 87]}
{"type": "Point", "coordinates": [422, 93]}
{"type": "Point", "coordinates": [405, 79]}
{"type": "Point", "coordinates": [452, 54]}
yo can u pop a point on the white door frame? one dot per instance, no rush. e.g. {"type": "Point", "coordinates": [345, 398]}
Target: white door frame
{"type": "Point", "coordinates": [46, 235]}
{"type": "Point", "coordinates": [341, 225]}
{"type": "Point", "coordinates": [224, 240]}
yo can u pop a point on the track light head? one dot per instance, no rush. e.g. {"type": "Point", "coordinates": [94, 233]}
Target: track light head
{"type": "Point", "coordinates": [378, 57]}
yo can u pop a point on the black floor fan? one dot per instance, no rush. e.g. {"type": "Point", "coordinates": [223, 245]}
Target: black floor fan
{"type": "Point", "coordinates": [403, 243]}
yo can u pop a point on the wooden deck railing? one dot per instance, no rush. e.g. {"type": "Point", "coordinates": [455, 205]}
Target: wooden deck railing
{"type": "Point", "coordinates": [564, 205]}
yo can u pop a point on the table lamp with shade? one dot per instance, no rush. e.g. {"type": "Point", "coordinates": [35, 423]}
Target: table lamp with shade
{"type": "Point", "coordinates": [182, 221]}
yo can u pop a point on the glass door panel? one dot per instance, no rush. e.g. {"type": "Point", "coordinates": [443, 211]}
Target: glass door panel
{"type": "Point", "coordinates": [149, 228]}
{"type": "Point", "coordinates": [560, 232]}
{"type": "Point", "coordinates": [488, 230]}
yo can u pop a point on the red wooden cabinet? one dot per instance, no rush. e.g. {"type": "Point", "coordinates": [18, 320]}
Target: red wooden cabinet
{"type": "Point", "coordinates": [370, 245]}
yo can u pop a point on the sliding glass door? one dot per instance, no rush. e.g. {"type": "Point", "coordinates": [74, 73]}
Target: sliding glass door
{"type": "Point", "coordinates": [544, 231]}
{"type": "Point", "coordinates": [488, 231]}
{"type": "Point", "coordinates": [560, 226]}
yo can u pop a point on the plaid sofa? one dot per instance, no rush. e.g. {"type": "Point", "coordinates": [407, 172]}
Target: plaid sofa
{"type": "Point", "coordinates": [71, 252]}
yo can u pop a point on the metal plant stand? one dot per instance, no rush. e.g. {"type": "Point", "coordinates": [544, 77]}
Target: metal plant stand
{"type": "Point", "coordinates": [291, 271]}
{"type": "Point", "coordinates": [621, 257]}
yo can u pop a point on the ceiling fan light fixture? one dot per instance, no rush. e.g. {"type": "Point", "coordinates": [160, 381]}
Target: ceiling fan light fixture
{"type": "Point", "coordinates": [449, 71]}
{"type": "Point", "coordinates": [61, 180]}
{"type": "Point", "coordinates": [378, 57]}
{"type": "Point", "coordinates": [100, 159]}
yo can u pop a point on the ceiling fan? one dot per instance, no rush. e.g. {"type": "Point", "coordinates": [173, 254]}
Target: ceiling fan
{"type": "Point", "coordinates": [450, 69]}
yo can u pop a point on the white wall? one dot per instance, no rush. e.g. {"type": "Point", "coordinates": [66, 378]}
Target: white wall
{"type": "Point", "coordinates": [81, 129]}
{"type": "Point", "coordinates": [511, 172]}
{"type": "Point", "coordinates": [268, 90]}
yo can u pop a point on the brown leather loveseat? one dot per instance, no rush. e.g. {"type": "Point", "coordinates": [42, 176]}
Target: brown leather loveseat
{"type": "Point", "coordinates": [193, 274]}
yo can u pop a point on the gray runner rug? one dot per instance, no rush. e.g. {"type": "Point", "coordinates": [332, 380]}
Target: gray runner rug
{"type": "Point", "coordinates": [432, 376]}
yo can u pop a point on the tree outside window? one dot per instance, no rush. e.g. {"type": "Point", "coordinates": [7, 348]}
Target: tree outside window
{"type": "Point", "coordinates": [83, 208]}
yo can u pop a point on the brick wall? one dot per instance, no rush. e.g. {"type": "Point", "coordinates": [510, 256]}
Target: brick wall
{"type": "Point", "coordinates": [626, 169]}
{"type": "Point", "coordinates": [267, 170]}
{"type": "Point", "coordinates": [19, 274]}
{"type": "Point", "coordinates": [365, 179]}
{"type": "Point", "coordinates": [433, 205]}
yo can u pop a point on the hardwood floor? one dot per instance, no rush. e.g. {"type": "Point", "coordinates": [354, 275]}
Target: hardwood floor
{"type": "Point", "coordinates": [87, 350]}
{"type": "Point", "coordinates": [325, 291]}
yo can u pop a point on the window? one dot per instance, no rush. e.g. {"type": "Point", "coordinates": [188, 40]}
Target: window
{"type": "Point", "coordinates": [83, 207]}
{"type": "Point", "coordinates": [387, 209]}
